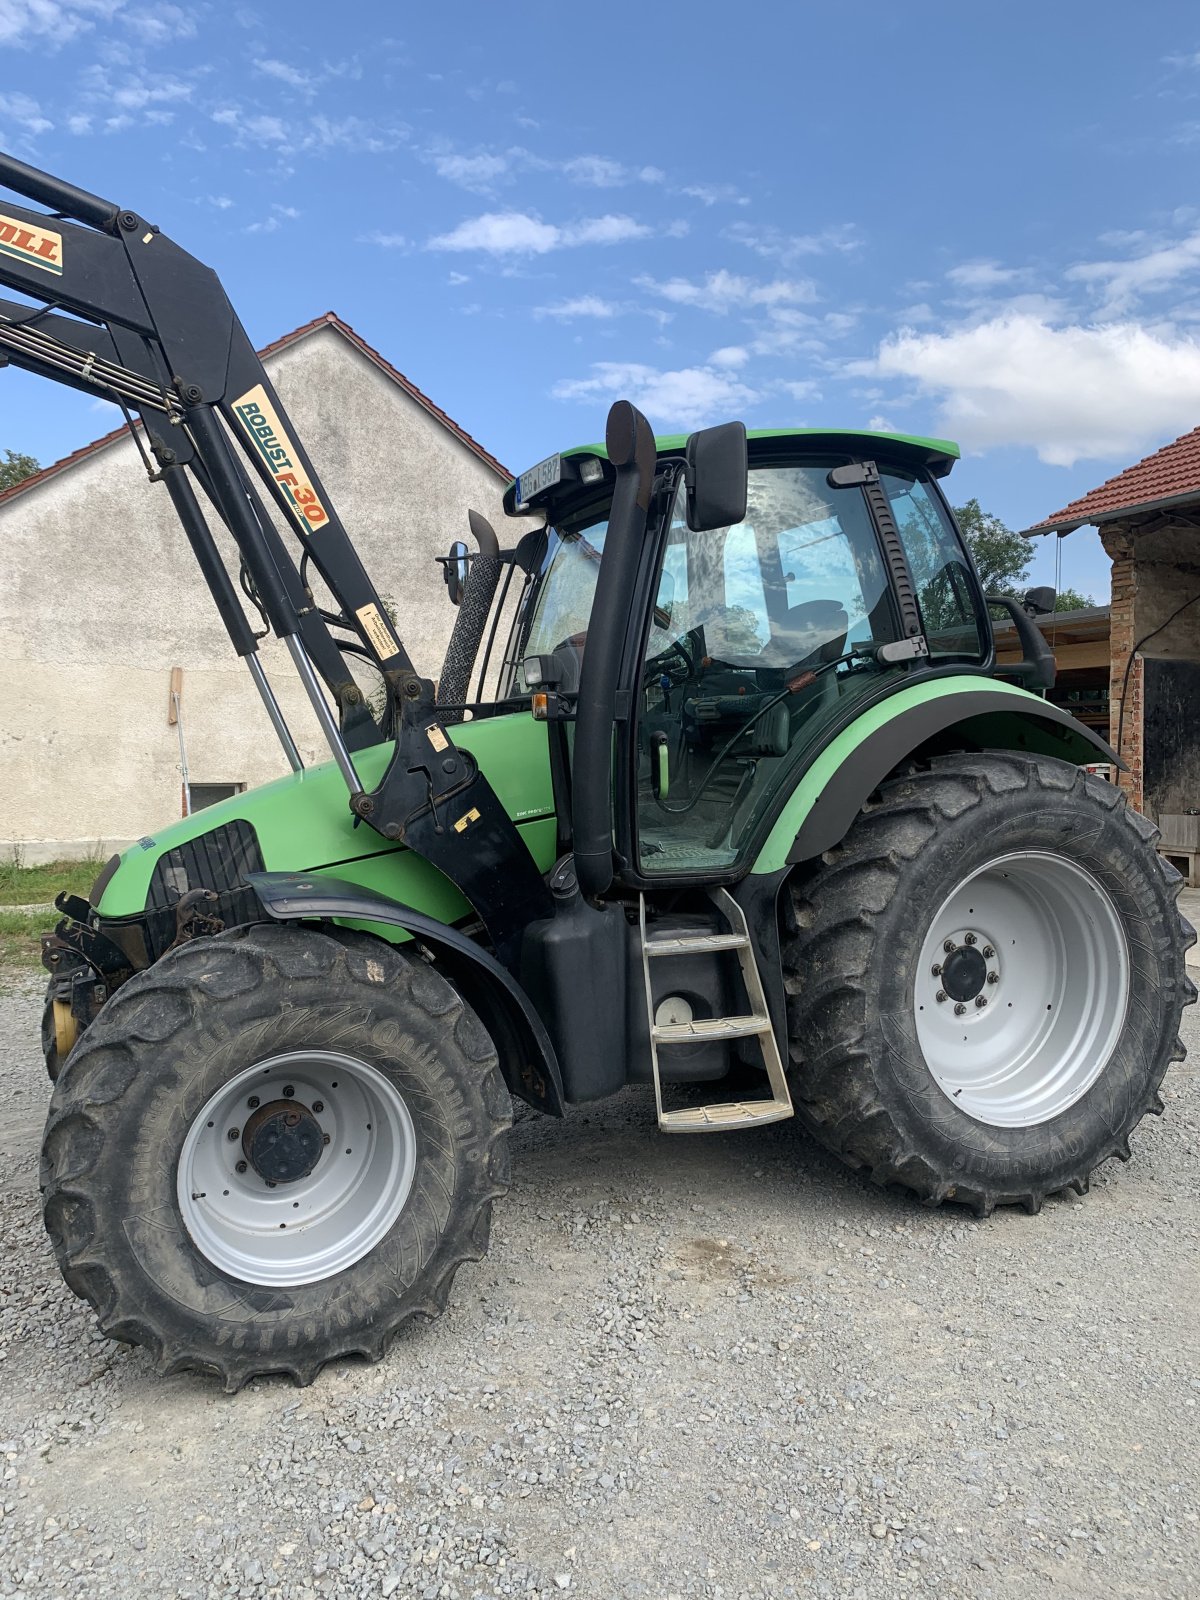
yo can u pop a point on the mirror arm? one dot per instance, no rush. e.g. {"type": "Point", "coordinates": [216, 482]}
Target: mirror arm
{"type": "Point", "coordinates": [1037, 666]}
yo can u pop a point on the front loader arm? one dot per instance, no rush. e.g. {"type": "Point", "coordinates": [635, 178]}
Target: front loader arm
{"type": "Point", "coordinates": [161, 338]}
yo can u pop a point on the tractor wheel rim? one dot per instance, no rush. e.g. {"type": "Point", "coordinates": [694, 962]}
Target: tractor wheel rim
{"type": "Point", "coordinates": [302, 1228]}
{"type": "Point", "coordinates": [1022, 989]}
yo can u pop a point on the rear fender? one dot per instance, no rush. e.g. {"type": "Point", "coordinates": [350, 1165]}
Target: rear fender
{"type": "Point", "coordinates": [960, 714]}
{"type": "Point", "coordinates": [527, 1056]}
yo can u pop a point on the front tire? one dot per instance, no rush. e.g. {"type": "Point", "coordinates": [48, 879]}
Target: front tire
{"type": "Point", "coordinates": [272, 1149]}
{"type": "Point", "coordinates": [987, 1081]}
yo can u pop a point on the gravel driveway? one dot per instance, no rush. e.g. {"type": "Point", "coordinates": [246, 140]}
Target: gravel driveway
{"type": "Point", "coordinates": [714, 1366]}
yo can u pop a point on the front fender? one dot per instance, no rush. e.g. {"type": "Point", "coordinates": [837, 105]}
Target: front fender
{"type": "Point", "coordinates": [527, 1056]}
{"type": "Point", "coordinates": [972, 712]}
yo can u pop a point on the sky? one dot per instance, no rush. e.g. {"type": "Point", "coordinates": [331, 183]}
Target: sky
{"type": "Point", "coordinates": [975, 221]}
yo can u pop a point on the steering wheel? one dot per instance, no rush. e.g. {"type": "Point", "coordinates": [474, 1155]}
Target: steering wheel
{"type": "Point", "coordinates": [657, 664]}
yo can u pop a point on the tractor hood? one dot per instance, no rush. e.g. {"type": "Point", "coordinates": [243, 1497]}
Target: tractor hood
{"type": "Point", "coordinates": [303, 823]}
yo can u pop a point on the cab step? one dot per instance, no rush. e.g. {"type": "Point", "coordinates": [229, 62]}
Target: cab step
{"type": "Point", "coordinates": [700, 1030]}
{"type": "Point", "coordinates": [734, 1114]}
{"type": "Point", "coordinates": [696, 944]}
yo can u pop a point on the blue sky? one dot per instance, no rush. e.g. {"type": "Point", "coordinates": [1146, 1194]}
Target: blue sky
{"type": "Point", "coordinates": [974, 220]}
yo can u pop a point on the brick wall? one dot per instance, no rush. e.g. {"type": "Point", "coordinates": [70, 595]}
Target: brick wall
{"type": "Point", "coordinates": [1125, 718]}
{"type": "Point", "coordinates": [1155, 569]}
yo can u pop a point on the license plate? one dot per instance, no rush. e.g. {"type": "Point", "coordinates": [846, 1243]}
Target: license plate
{"type": "Point", "coordinates": [538, 478]}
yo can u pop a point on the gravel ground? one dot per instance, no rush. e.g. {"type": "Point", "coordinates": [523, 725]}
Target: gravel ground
{"type": "Point", "coordinates": [712, 1366]}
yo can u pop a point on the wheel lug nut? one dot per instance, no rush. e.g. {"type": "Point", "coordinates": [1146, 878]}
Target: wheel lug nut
{"type": "Point", "coordinates": [324, 1138]}
{"type": "Point", "coordinates": [936, 969]}
{"type": "Point", "coordinates": [941, 995]}
{"type": "Point", "coordinates": [993, 977]}
{"type": "Point", "coordinates": [288, 1092]}
{"type": "Point", "coordinates": [241, 1167]}
{"type": "Point", "coordinates": [988, 952]}
{"type": "Point", "coordinates": [318, 1105]}
{"type": "Point", "coordinates": [948, 946]}
{"type": "Point", "coordinates": [980, 1001]}
{"type": "Point", "coordinates": [233, 1135]}
{"type": "Point", "coordinates": [971, 939]}
{"type": "Point", "coordinates": [959, 1009]}
{"type": "Point", "coordinates": [253, 1102]}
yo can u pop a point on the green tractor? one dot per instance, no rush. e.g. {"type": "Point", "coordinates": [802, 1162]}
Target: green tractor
{"type": "Point", "coordinates": [721, 793]}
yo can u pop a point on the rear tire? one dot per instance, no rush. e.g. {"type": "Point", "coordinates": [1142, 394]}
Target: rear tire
{"type": "Point", "coordinates": [935, 1094]}
{"type": "Point", "coordinates": [138, 1116]}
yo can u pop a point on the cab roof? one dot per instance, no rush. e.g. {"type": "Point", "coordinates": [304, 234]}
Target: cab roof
{"type": "Point", "coordinates": [936, 456]}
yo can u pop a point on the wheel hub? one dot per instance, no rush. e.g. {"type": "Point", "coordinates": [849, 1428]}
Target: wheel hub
{"type": "Point", "coordinates": [1021, 988]}
{"type": "Point", "coordinates": [282, 1141]}
{"type": "Point", "coordinates": [312, 1178]}
{"type": "Point", "coordinates": [964, 973]}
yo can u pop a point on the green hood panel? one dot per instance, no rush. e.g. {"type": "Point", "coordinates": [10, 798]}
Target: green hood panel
{"type": "Point", "coordinates": [304, 822]}
{"type": "Point", "coordinates": [774, 852]}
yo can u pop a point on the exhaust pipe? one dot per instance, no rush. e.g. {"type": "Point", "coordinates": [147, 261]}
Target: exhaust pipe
{"type": "Point", "coordinates": [473, 613]}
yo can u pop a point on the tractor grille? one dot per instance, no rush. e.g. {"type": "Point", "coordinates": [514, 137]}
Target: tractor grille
{"type": "Point", "coordinates": [216, 861]}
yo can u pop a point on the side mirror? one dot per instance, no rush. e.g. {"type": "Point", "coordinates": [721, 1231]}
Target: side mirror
{"type": "Point", "coordinates": [717, 470]}
{"type": "Point", "coordinates": [1039, 602]}
{"type": "Point", "coordinates": [454, 570]}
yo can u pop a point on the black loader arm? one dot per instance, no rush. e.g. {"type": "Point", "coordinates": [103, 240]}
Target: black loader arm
{"type": "Point", "coordinates": [123, 312]}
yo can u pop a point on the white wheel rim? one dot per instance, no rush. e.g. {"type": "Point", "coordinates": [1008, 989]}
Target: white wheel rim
{"type": "Point", "coordinates": [1039, 941]}
{"type": "Point", "coordinates": [308, 1227]}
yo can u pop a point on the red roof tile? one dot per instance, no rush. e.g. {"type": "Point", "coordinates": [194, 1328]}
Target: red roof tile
{"type": "Point", "coordinates": [330, 320]}
{"type": "Point", "coordinates": [1170, 474]}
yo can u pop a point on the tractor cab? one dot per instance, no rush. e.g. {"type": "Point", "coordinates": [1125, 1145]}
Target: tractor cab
{"type": "Point", "coordinates": [836, 575]}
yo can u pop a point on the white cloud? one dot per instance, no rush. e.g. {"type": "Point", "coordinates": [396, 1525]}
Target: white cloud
{"type": "Point", "coordinates": [138, 93]}
{"type": "Point", "coordinates": [455, 278]}
{"type": "Point", "coordinates": [710, 194]}
{"type": "Point", "coordinates": [684, 398]}
{"type": "Point", "coordinates": [727, 291]}
{"type": "Point", "coordinates": [19, 110]}
{"type": "Point", "coordinates": [515, 233]}
{"type": "Point", "coordinates": [472, 172]}
{"type": "Point", "coordinates": [279, 214]}
{"type": "Point", "coordinates": [285, 73]}
{"type": "Point", "coordinates": [880, 425]}
{"type": "Point", "coordinates": [79, 124]}
{"type": "Point", "coordinates": [387, 241]}
{"type": "Point", "coordinates": [1124, 282]}
{"type": "Point", "coordinates": [1104, 391]}
{"type": "Point", "coordinates": [163, 23]}
{"type": "Point", "coordinates": [501, 233]}
{"type": "Point", "coordinates": [50, 23]}
{"type": "Point", "coordinates": [776, 245]}
{"type": "Point", "coordinates": [730, 355]}
{"type": "Point", "coordinates": [255, 129]}
{"type": "Point", "coordinates": [982, 275]}
{"type": "Point", "coordinates": [604, 230]}
{"type": "Point", "coordinates": [319, 133]}
{"type": "Point", "coordinates": [601, 172]}
{"type": "Point", "coordinates": [584, 305]}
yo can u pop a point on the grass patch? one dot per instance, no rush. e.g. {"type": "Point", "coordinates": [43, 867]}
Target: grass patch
{"type": "Point", "coordinates": [20, 945]}
{"type": "Point", "coordinates": [30, 886]}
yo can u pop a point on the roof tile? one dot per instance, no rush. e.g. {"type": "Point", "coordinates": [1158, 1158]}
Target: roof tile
{"type": "Point", "coordinates": [1169, 473]}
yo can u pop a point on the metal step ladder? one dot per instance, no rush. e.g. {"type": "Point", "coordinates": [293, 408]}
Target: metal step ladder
{"type": "Point", "coordinates": [735, 1113]}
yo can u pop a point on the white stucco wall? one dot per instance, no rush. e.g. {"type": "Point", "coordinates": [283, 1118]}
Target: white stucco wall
{"type": "Point", "coordinates": [101, 598]}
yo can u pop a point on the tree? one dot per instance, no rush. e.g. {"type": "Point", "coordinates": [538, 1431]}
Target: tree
{"type": "Point", "coordinates": [1072, 600]}
{"type": "Point", "coordinates": [15, 468]}
{"type": "Point", "coordinates": [1002, 556]}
